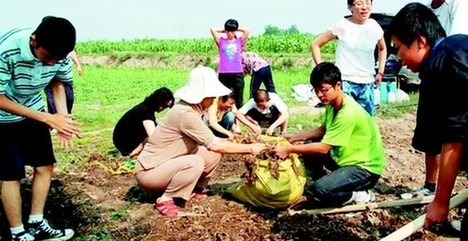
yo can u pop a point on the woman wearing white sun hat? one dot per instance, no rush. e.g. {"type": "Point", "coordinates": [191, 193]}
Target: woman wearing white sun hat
{"type": "Point", "coordinates": [183, 152]}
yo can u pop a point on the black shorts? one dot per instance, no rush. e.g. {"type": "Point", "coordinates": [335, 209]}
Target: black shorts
{"type": "Point", "coordinates": [427, 140]}
{"type": "Point", "coordinates": [22, 143]}
{"type": "Point", "coordinates": [264, 120]}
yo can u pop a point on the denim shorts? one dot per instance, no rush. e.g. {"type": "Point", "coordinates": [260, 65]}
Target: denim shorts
{"type": "Point", "coordinates": [22, 143]}
{"type": "Point", "coordinates": [362, 93]}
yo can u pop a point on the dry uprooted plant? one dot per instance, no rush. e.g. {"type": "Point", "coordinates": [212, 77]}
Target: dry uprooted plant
{"type": "Point", "coordinates": [251, 161]}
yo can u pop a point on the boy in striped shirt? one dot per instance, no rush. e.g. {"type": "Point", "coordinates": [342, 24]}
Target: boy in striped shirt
{"type": "Point", "coordinates": [29, 60]}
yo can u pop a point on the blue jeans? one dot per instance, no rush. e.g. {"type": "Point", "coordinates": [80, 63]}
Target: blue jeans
{"type": "Point", "coordinates": [362, 93]}
{"type": "Point", "coordinates": [336, 187]}
{"type": "Point", "coordinates": [226, 122]}
{"type": "Point", "coordinates": [264, 76]}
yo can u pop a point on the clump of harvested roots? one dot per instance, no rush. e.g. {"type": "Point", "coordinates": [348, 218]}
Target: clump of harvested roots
{"type": "Point", "coordinates": [251, 161]}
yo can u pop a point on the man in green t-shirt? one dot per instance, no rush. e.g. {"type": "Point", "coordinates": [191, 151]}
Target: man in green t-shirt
{"type": "Point", "coordinates": [347, 143]}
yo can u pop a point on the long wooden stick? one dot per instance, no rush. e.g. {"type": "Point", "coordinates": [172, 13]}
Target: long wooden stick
{"type": "Point", "coordinates": [362, 207]}
{"type": "Point", "coordinates": [415, 225]}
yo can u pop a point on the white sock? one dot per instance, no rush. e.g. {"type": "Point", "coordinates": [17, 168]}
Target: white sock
{"type": "Point", "coordinates": [36, 218]}
{"type": "Point", "coordinates": [18, 229]}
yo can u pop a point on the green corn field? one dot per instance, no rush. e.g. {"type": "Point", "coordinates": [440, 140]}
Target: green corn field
{"type": "Point", "coordinates": [284, 44]}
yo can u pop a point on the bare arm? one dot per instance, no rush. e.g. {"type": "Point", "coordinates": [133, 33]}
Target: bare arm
{"type": "Point", "coordinates": [213, 121]}
{"type": "Point", "coordinates": [315, 133]}
{"type": "Point", "coordinates": [62, 123]}
{"type": "Point", "coordinates": [281, 119]}
{"type": "Point", "coordinates": [60, 102]}
{"type": "Point", "coordinates": [382, 59]}
{"type": "Point", "coordinates": [216, 33]}
{"type": "Point", "coordinates": [224, 146]}
{"type": "Point", "coordinates": [450, 160]}
{"type": "Point", "coordinates": [449, 163]}
{"type": "Point", "coordinates": [18, 109]}
{"type": "Point", "coordinates": [58, 94]}
{"type": "Point", "coordinates": [245, 33]}
{"type": "Point", "coordinates": [149, 126]}
{"type": "Point", "coordinates": [304, 149]}
{"type": "Point", "coordinates": [241, 117]}
{"type": "Point", "coordinates": [310, 148]}
{"type": "Point", "coordinates": [318, 42]}
{"type": "Point", "coordinates": [77, 62]}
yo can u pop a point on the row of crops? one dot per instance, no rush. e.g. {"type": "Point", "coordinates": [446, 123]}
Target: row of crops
{"type": "Point", "coordinates": [291, 43]}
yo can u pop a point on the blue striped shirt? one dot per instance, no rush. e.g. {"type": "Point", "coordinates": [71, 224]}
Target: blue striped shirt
{"type": "Point", "coordinates": [23, 76]}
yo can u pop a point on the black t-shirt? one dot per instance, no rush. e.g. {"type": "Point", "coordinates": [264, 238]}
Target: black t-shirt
{"type": "Point", "coordinates": [129, 131]}
{"type": "Point", "coordinates": [443, 96]}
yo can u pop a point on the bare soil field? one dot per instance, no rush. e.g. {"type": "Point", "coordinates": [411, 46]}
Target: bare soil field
{"type": "Point", "coordinates": [102, 205]}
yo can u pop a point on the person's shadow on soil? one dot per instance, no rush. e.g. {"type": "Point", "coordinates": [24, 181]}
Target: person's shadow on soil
{"type": "Point", "coordinates": [138, 194]}
{"type": "Point", "coordinates": [383, 188]}
{"type": "Point", "coordinates": [63, 208]}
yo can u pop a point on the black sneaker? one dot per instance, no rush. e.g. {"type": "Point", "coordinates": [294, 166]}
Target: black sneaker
{"type": "Point", "coordinates": [22, 236]}
{"type": "Point", "coordinates": [43, 231]}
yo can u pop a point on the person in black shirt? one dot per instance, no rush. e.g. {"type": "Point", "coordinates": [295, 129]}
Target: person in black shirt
{"type": "Point", "coordinates": [442, 116]}
{"type": "Point", "coordinates": [134, 127]}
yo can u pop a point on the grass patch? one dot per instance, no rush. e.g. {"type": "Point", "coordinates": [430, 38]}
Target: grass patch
{"type": "Point", "coordinates": [396, 109]}
{"type": "Point", "coordinates": [104, 94]}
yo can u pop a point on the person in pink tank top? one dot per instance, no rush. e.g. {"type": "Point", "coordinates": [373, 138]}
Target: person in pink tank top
{"type": "Point", "coordinates": [230, 47]}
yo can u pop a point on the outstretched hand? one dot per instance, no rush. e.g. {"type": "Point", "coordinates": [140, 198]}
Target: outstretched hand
{"type": "Point", "coordinates": [79, 69]}
{"type": "Point", "coordinates": [257, 148]}
{"type": "Point", "coordinates": [281, 152]}
{"type": "Point", "coordinates": [270, 131]}
{"type": "Point", "coordinates": [378, 79]}
{"type": "Point", "coordinates": [66, 128]}
{"type": "Point", "coordinates": [290, 137]}
{"type": "Point", "coordinates": [257, 129]}
{"type": "Point", "coordinates": [64, 141]}
{"type": "Point", "coordinates": [435, 214]}
{"type": "Point", "coordinates": [64, 124]}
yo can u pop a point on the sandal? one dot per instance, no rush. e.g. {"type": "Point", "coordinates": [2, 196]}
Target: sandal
{"type": "Point", "coordinates": [167, 208]}
{"type": "Point", "coordinates": [198, 196]}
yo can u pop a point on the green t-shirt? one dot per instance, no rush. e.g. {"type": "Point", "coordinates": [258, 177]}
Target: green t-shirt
{"type": "Point", "coordinates": [354, 137]}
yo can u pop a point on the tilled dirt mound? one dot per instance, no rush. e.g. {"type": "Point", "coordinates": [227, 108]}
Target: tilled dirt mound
{"type": "Point", "coordinates": [100, 205]}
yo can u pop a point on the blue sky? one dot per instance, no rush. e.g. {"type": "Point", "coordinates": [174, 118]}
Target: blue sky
{"type": "Point", "coordinates": [129, 19]}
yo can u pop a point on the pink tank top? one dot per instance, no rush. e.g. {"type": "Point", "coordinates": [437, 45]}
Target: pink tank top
{"type": "Point", "coordinates": [230, 60]}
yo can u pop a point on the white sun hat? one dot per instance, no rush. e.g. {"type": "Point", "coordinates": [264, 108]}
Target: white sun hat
{"type": "Point", "coordinates": [202, 83]}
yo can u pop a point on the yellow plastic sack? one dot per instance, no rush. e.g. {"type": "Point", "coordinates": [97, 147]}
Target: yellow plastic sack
{"type": "Point", "coordinates": [266, 191]}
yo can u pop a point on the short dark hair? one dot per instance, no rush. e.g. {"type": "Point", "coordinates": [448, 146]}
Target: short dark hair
{"type": "Point", "coordinates": [231, 25]}
{"type": "Point", "coordinates": [159, 98]}
{"type": "Point", "coordinates": [325, 72]}
{"type": "Point", "coordinates": [413, 20]}
{"type": "Point", "coordinates": [56, 35]}
{"type": "Point", "coordinates": [225, 98]}
{"type": "Point", "coordinates": [351, 2]}
{"type": "Point", "coordinates": [261, 95]}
